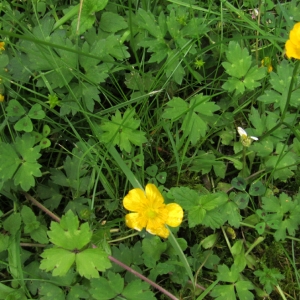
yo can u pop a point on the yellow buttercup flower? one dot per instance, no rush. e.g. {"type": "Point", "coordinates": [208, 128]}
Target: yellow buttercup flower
{"type": "Point", "coordinates": [1, 98]}
{"type": "Point", "coordinates": [292, 45]}
{"type": "Point", "coordinates": [149, 211]}
{"type": "Point", "coordinates": [2, 44]}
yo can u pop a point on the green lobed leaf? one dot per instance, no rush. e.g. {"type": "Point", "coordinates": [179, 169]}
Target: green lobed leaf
{"type": "Point", "coordinates": [147, 21]}
{"type": "Point", "coordinates": [111, 22]}
{"type": "Point", "coordinates": [223, 292]}
{"type": "Point", "coordinates": [239, 60]}
{"type": "Point", "coordinates": [92, 261]}
{"type": "Point", "coordinates": [29, 219]}
{"type": "Point", "coordinates": [68, 234]}
{"type": "Point", "coordinates": [12, 223]}
{"type": "Point", "coordinates": [153, 248]}
{"type": "Point", "coordinates": [254, 74]}
{"type": "Point", "coordinates": [137, 290]}
{"type": "Point", "coordinates": [242, 289]}
{"type": "Point", "coordinates": [224, 274]}
{"type": "Point", "coordinates": [122, 131]}
{"type": "Point", "coordinates": [49, 291]}
{"type": "Point", "coordinates": [9, 161]}
{"type": "Point", "coordinates": [57, 259]}
{"type": "Point", "coordinates": [78, 292]}
{"type": "Point", "coordinates": [233, 214]}
{"type": "Point", "coordinates": [103, 289]}
{"type": "Point", "coordinates": [4, 243]}
{"type": "Point", "coordinates": [176, 109]}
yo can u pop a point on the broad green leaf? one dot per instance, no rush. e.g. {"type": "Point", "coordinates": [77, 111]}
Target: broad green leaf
{"type": "Point", "coordinates": [153, 248]}
{"type": "Point", "coordinates": [214, 218]}
{"type": "Point", "coordinates": [40, 235]}
{"type": "Point", "coordinates": [12, 223]}
{"type": "Point", "coordinates": [57, 259]}
{"type": "Point", "coordinates": [242, 289]}
{"type": "Point", "coordinates": [232, 84]}
{"type": "Point", "coordinates": [68, 234]}
{"type": "Point", "coordinates": [111, 22]}
{"type": "Point", "coordinates": [75, 169]}
{"type": "Point", "coordinates": [50, 194]}
{"type": "Point", "coordinates": [176, 109]}
{"type": "Point", "coordinates": [26, 173]}
{"type": "Point", "coordinates": [174, 68]}
{"type": "Point", "coordinates": [269, 278]}
{"type": "Point", "coordinates": [9, 161]}
{"type": "Point", "coordinates": [223, 292]}
{"type": "Point", "coordinates": [24, 124]}
{"type": "Point", "coordinates": [15, 109]}
{"type": "Point", "coordinates": [123, 131]}
{"type": "Point", "coordinates": [4, 243]}
{"type": "Point", "coordinates": [137, 290]}
{"type": "Point", "coordinates": [147, 21]}
{"type": "Point", "coordinates": [109, 48]}
{"type": "Point", "coordinates": [136, 81]}
{"type": "Point", "coordinates": [29, 219]}
{"type": "Point", "coordinates": [49, 291]}
{"type": "Point", "coordinates": [78, 292]}
{"type": "Point", "coordinates": [174, 26]}
{"type": "Point", "coordinates": [239, 60]}
{"type": "Point", "coordinates": [282, 166]}
{"type": "Point", "coordinates": [103, 289]}
{"type": "Point", "coordinates": [90, 262]}
{"type": "Point", "coordinates": [254, 74]}
{"type": "Point", "coordinates": [90, 96]}
{"type": "Point", "coordinates": [233, 214]}
{"type": "Point", "coordinates": [158, 47]}
{"type": "Point", "coordinates": [87, 16]}
{"type": "Point", "coordinates": [224, 274]}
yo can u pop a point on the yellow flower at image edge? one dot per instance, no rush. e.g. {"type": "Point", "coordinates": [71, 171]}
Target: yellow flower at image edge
{"type": "Point", "coordinates": [1, 98]}
{"type": "Point", "coordinates": [2, 44]}
{"type": "Point", "coordinates": [292, 46]}
{"type": "Point", "coordinates": [149, 211]}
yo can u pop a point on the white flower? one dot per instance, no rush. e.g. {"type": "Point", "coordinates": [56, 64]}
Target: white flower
{"type": "Point", "coordinates": [245, 139]}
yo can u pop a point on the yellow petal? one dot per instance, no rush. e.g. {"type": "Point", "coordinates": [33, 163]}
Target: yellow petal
{"type": "Point", "coordinates": [135, 221]}
{"type": "Point", "coordinates": [295, 34]}
{"type": "Point", "coordinates": [135, 200]}
{"type": "Point", "coordinates": [175, 214]}
{"type": "Point", "coordinates": [292, 50]}
{"type": "Point", "coordinates": [162, 231]}
{"type": "Point", "coordinates": [153, 194]}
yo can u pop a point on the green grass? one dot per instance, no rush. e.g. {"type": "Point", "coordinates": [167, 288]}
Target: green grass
{"type": "Point", "coordinates": [148, 91]}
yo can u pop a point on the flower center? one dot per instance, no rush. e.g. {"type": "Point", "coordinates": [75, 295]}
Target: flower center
{"type": "Point", "coordinates": [151, 214]}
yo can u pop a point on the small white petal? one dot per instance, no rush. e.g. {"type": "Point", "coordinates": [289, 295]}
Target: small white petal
{"type": "Point", "coordinates": [241, 131]}
{"type": "Point", "coordinates": [254, 138]}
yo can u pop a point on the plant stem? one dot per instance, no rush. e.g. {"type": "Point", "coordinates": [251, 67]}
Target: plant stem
{"type": "Point", "coordinates": [165, 292]}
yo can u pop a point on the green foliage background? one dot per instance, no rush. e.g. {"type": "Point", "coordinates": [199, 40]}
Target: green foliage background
{"type": "Point", "coordinates": [104, 96]}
